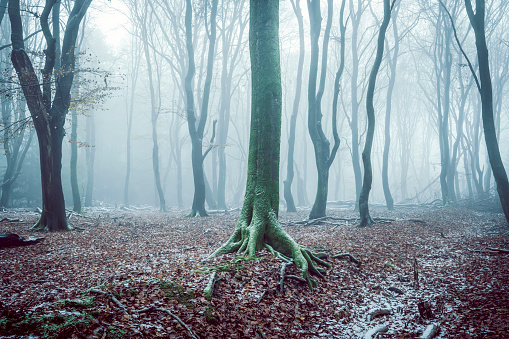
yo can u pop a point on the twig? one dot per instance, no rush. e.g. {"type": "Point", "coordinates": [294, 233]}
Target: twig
{"type": "Point", "coordinates": [113, 298]}
{"type": "Point", "coordinates": [500, 250]}
{"type": "Point", "coordinates": [350, 258]}
{"type": "Point", "coordinates": [153, 308]}
{"type": "Point", "coordinates": [374, 331]}
{"type": "Point", "coordinates": [416, 275]}
{"type": "Point", "coordinates": [261, 297]}
{"type": "Point", "coordinates": [430, 331]}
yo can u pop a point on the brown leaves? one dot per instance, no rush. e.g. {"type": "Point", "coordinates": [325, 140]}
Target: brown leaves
{"type": "Point", "coordinates": [147, 259]}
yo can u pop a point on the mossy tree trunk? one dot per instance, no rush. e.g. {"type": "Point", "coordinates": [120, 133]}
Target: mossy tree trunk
{"type": "Point", "coordinates": [258, 226]}
{"type": "Point", "coordinates": [365, 218]}
{"type": "Point", "coordinates": [48, 116]}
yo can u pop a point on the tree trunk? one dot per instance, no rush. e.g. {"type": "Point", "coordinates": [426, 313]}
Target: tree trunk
{"type": "Point", "coordinates": [354, 122]}
{"type": "Point", "coordinates": [389, 201]}
{"type": "Point", "coordinates": [290, 203]}
{"type": "Point", "coordinates": [258, 226]}
{"type": "Point", "coordinates": [490, 136]}
{"type": "Point", "coordinates": [323, 155]}
{"type": "Point", "coordinates": [196, 129]}
{"type": "Point", "coordinates": [48, 117]}
{"type": "Point", "coordinates": [365, 218]}
{"type": "Point", "coordinates": [74, 163]}
{"type": "Point", "coordinates": [90, 158]}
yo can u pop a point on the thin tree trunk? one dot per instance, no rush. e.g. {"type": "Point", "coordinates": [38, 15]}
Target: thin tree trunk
{"type": "Point", "coordinates": [365, 218]}
{"type": "Point", "coordinates": [389, 201]}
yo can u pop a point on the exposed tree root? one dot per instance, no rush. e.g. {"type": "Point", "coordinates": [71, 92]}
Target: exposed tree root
{"type": "Point", "coordinates": [258, 228]}
{"type": "Point", "coordinates": [282, 275]}
{"type": "Point", "coordinates": [430, 331]}
{"type": "Point", "coordinates": [348, 256]}
{"type": "Point", "coordinates": [372, 333]}
{"type": "Point", "coordinates": [153, 308]}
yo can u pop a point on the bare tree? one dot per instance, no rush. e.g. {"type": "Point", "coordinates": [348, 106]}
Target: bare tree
{"type": "Point", "coordinates": [48, 115]}
{"type": "Point", "coordinates": [365, 218]}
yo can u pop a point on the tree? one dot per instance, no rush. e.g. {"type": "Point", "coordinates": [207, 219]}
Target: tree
{"type": "Point", "coordinates": [393, 61]}
{"type": "Point", "coordinates": [258, 226]}
{"type": "Point", "coordinates": [365, 218]}
{"type": "Point", "coordinates": [485, 88]}
{"type": "Point", "coordinates": [155, 102]}
{"type": "Point", "coordinates": [290, 203]}
{"type": "Point", "coordinates": [196, 129]}
{"type": "Point", "coordinates": [324, 156]}
{"type": "Point", "coordinates": [232, 46]}
{"type": "Point", "coordinates": [48, 115]}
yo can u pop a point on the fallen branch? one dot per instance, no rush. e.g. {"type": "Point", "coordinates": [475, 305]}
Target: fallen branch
{"type": "Point", "coordinates": [14, 240]}
{"type": "Point", "coordinates": [500, 250]}
{"type": "Point", "coordinates": [416, 275]}
{"type": "Point", "coordinates": [348, 256]}
{"type": "Point", "coordinates": [153, 308]}
{"type": "Point", "coordinates": [375, 312]}
{"type": "Point", "coordinates": [112, 297]}
{"type": "Point", "coordinates": [209, 289]}
{"type": "Point", "coordinates": [261, 297]}
{"type": "Point", "coordinates": [372, 333]}
{"type": "Point", "coordinates": [396, 290]}
{"type": "Point", "coordinates": [430, 331]}
{"type": "Point", "coordinates": [11, 220]}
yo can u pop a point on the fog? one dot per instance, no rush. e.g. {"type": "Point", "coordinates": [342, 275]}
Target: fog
{"type": "Point", "coordinates": [431, 81]}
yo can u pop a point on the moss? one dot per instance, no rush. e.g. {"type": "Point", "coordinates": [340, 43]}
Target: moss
{"type": "Point", "coordinates": [209, 315]}
{"type": "Point", "coordinates": [84, 302]}
{"type": "Point", "coordinates": [115, 333]}
{"type": "Point", "coordinates": [174, 291]}
{"type": "Point", "coordinates": [48, 325]}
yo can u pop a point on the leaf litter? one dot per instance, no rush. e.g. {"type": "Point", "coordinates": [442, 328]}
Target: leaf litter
{"type": "Point", "coordinates": [141, 274]}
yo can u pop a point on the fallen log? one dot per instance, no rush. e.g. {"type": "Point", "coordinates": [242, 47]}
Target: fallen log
{"type": "Point", "coordinates": [14, 240]}
{"type": "Point", "coordinates": [430, 331]}
{"type": "Point", "coordinates": [375, 312]}
{"type": "Point", "coordinates": [209, 289]}
{"type": "Point", "coordinates": [372, 333]}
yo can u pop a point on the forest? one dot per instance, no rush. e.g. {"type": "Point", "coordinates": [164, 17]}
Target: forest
{"type": "Point", "coordinates": [254, 169]}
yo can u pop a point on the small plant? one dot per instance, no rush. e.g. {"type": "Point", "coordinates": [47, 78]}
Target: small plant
{"type": "Point", "coordinates": [115, 333]}
{"type": "Point", "coordinates": [388, 264]}
{"type": "Point", "coordinates": [85, 302]}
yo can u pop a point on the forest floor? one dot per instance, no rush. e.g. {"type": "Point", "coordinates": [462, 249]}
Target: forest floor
{"type": "Point", "coordinates": [125, 274]}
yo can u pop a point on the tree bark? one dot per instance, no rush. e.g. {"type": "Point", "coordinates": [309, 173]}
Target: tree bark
{"type": "Point", "coordinates": [258, 226]}
{"type": "Point", "coordinates": [477, 20]}
{"type": "Point", "coordinates": [389, 200]}
{"type": "Point", "coordinates": [196, 129]}
{"type": "Point", "coordinates": [365, 218]}
{"type": "Point", "coordinates": [323, 154]}
{"type": "Point", "coordinates": [48, 117]}
{"type": "Point", "coordinates": [290, 203]}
